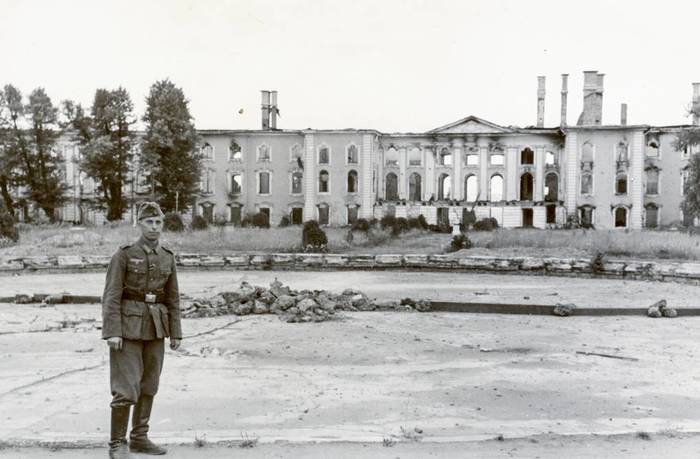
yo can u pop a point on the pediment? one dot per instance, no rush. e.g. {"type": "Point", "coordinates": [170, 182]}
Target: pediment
{"type": "Point", "coordinates": [470, 125]}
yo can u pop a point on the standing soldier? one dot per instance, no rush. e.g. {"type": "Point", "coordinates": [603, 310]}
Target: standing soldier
{"type": "Point", "coordinates": [140, 307]}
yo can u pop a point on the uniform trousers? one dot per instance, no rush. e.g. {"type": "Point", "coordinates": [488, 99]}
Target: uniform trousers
{"type": "Point", "coordinates": [135, 370]}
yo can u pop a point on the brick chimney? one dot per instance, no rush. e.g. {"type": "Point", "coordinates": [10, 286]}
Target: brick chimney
{"type": "Point", "coordinates": [696, 104]}
{"type": "Point", "coordinates": [564, 95]}
{"type": "Point", "coordinates": [623, 115]}
{"type": "Point", "coordinates": [273, 110]}
{"type": "Point", "coordinates": [592, 114]}
{"type": "Point", "coordinates": [540, 101]}
{"type": "Point", "coordinates": [265, 105]}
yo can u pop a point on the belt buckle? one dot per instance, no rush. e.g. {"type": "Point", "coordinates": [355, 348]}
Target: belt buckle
{"type": "Point", "coordinates": [150, 298]}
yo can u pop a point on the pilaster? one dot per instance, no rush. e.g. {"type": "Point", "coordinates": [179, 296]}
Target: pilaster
{"type": "Point", "coordinates": [483, 172]}
{"type": "Point", "coordinates": [637, 166]}
{"type": "Point", "coordinates": [366, 181]}
{"type": "Point", "coordinates": [511, 174]}
{"type": "Point", "coordinates": [571, 150]}
{"type": "Point", "coordinates": [539, 174]}
{"type": "Point", "coordinates": [457, 155]}
{"type": "Point", "coordinates": [309, 177]}
{"type": "Point", "coordinates": [402, 172]}
{"type": "Point", "coordinates": [429, 172]}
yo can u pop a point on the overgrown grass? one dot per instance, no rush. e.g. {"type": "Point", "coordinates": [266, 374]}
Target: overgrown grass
{"type": "Point", "coordinates": [104, 240]}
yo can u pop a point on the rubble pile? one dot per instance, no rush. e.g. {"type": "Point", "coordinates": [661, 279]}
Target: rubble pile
{"type": "Point", "coordinates": [661, 309]}
{"type": "Point", "coordinates": [292, 305]}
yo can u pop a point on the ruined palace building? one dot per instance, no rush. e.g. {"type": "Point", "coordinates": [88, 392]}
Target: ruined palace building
{"type": "Point", "coordinates": [606, 175]}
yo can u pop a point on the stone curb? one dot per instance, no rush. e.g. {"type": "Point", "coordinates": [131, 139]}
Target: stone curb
{"type": "Point", "coordinates": [435, 306]}
{"type": "Point", "coordinates": [684, 272]}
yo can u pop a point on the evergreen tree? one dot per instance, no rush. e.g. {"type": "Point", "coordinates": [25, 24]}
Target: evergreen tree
{"type": "Point", "coordinates": [106, 142]}
{"type": "Point", "coordinates": [8, 154]}
{"type": "Point", "coordinates": [29, 142]}
{"type": "Point", "coordinates": [169, 152]}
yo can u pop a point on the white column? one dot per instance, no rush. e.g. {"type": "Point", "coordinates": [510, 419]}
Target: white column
{"type": "Point", "coordinates": [402, 172]}
{"type": "Point", "coordinates": [511, 174]}
{"type": "Point", "coordinates": [429, 185]}
{"type": "Point", "coordinates": [309, 177]}
{"type": "Point", "coordinates": [571, 150]}
{"type": "Point", "coordinates": [366, 180]}
{"type": "Point", "coordinates": [457, 153]}
{"type": "Point", "coordinates": [539, 173]}
{"type": "Point", "coordinates": [637, 167]}
{"type": "Point", "coordinates": [380, 174]}
{"type": "Point", "coordinates": [483, 172]}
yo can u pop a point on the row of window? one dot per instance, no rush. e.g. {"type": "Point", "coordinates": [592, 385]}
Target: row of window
{"type": "Point", "coordinates": [527, 157]}
{"type": "Point", "coordinates": [620, 216]}
{"type": "Point", "coordinates": [264, 182]}
{"type": "Point", "coordinates": [652, 182]}
{"type": "Point", "coordinates": [471, 188]}
{"type": "Point", "coordinates": [263, 153]}
{"type": "Point", "coordinates": [296, 214]}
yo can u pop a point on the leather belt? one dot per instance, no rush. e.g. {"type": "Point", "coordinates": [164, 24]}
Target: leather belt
{"type": "Point", "coordinates": [144, 297]}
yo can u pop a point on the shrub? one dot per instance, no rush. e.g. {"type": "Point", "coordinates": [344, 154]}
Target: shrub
{"type": "Point", "coordinates": [373, 223]}
{"type": "Point", "coordinates": [361, 224]}
{"type": "Point", "coordinates": [401, 225]}
{"type": "Point", "coordinates": [598, 263]}
{"type": "Point", "coordinates": [8, 230]}
{"type": "Point", "coordinates": [423, 222]}
{"type": "Point", "coordinates": [173, 222]}
{"type": "Point", "coordinates": [414, 223]}
{"type": "Point", "coordinates": [313, 238]}
{"type": "Point", "coordinates": [259, 220]}
{"type": "Point", "coordinates": [284, 221]}
{"type": "Point", "coordinates": [459, 242]}
{"type": "Point", "coordinates": [469, 218]}
{"type": "Point", "coordinates": [199, 223]}
{"type": "Point", "coordinates": [440, 228]}
{"type": "Point", "coordinates": [486, 224]}
{"type": "Point", "coordinates": [388, 221]}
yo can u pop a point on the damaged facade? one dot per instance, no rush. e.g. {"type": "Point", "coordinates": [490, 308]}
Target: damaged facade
{"type": "Point", "coordinates": [608, 176]}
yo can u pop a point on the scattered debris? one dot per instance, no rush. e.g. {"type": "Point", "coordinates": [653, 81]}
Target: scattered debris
{"type": "Point", "coordinates": [388, 442]}
{"type": "Point", "coordinates": [563, 310]}
{"type": "Point", "coordinates": [643, 435]}
{"type": "Point", "coordinates": [248, 442]}
{"type": "Point", "coordinates": [200, 442]}
{"type": "Point", "coordinates": [412, 435]}
{"type": "Point", "coordinates": [610, 356]}
{"type": "Point", "coordinates": [661, 309]}
{"type": "Point", "coordinates": [292, 305]}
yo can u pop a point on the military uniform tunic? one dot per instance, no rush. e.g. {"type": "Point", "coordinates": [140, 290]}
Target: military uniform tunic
{"type": "Point", "coordinates": [141, 305]}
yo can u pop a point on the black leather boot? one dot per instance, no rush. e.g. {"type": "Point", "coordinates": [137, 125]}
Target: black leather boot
{"type": "Point", "coordinates": [138, 439]}
{"type": "Point", "coordinates": [117, 439]}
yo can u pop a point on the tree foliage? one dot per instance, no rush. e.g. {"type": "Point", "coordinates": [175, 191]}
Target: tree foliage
{"type": "Point", "coordinates": [28, 155]}
{"type": "Point", "coordinates": [169, 154]}
{"type": "Point", "coordinates": [689, 140]}
{"type": "Point", "coordinates": [106, 145]}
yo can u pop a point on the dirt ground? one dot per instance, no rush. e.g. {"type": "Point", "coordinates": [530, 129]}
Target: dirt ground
{"type": "Point", "coordinates": [440, 384]}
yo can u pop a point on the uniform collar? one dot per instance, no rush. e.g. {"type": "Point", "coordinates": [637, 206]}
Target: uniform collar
{"type": "Point", "coordinates": [144, 245]}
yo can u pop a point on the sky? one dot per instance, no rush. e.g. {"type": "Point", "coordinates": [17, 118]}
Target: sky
{"type": "Point", "coordinates": [394, 66]}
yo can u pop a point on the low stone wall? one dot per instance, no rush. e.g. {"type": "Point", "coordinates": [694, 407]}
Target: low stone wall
{"type": "Point", "coordinates": [628, 269]}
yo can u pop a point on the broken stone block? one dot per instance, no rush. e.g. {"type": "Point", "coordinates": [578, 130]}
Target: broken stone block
{"type": "Point", "coordinates": [22, 298]}
{"type": "Point", "coordinates": [386, 305]}
{"type": "Point", "coordinates": [237, 260]}
{"type": "Point", "coordinates": [54, 299]}
{"type": "Point", "coordinates": [70, 261]}
{"type": "Point", "coordinates": [260, 308]}
{"type": "Point", "coordinates": [669, 312]}
{"type": "Point", "coordinates": [422, 305]}
{"type": "Point", "coordinates": [244, 309]}
{"type": "Point", "coordinates": [284, 302]}
{"type": "Point", "coordinates": [654, 312]}
{"type": "Point", "coordinates": [563, 310]}
{"type": "Point", "coordinates": [267, 297]}
{"type": "Point", "coordinates": [306, 304]}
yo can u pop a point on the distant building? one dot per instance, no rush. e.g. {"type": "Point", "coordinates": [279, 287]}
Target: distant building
{"type": "Point", "coordinates": [608, 176]}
